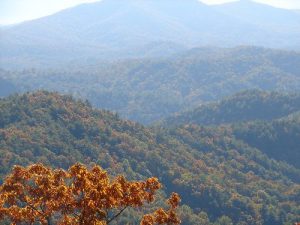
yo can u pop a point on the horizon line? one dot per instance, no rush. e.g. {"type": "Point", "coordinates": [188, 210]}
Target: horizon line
{"type": "Point", "coordinates": [8, 24]}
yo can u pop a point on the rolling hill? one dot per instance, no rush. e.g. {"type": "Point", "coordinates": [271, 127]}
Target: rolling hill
{"type": "Point", "coordinates": [146, 90]}
{"type": "Point", "coordinates": [268, 121]}
{"type": "Point", "coordinates": [279, 139]}
{"type": "Point", "coordinates": [242, 107]}
{"type": "Point", "coordinates": [206, 98]}
{"type": "Point", "coordinates": [219, 177]}
{"type": "Point", "coordinates": [112, 29]}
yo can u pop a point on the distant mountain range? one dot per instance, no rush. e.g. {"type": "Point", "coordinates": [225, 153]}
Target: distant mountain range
{"type": "Point", "coordinates": [132, 28]}
{"type": "Point", "coordinates": [147, 90]}
{"type": "Point", "coordinates": [181, 67]}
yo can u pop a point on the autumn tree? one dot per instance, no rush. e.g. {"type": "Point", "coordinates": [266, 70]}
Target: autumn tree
{"type": "Point", "coordinates": [78, 196]}
{"type": "Point", "coordinates": [161, 216]}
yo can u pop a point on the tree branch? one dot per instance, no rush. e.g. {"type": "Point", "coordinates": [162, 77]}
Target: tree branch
{"type": "Point", "coordinates": [115, 216]}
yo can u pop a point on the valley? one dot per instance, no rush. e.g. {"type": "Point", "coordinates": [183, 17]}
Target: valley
{"type": "Point", "coordinates": [200, 101]}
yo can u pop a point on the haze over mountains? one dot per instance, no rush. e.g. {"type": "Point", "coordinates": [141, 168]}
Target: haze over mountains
{"type": "Point", "coordinates": [6, 88]}
{"type": "Point", "coordinates": [146, 90]}
{"type": "Point", "coordinates": [212, 94]}
{"type": "Point", "coordinates": [120, 29]}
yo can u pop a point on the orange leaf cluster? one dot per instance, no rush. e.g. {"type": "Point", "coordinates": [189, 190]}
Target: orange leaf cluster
{"type": "Point", "coordinates": [38, 194]}
{"type": "Point", "coordinates": [161, 216]}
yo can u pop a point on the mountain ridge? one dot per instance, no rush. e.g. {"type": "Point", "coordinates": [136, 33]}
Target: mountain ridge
{"type": "Point", "coordinates": [150, 89]}
{"type": "Point", "coordinates": [246, 106]}
{"type": "Point", "coordinates": [116, 28]}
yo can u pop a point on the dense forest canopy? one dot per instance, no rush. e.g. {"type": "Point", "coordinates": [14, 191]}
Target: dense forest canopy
{"type": "Point", "coordinates": [220, 177]}
{"type": "Point", "coordinates": [165, 96]}
{"type": "Point", "coordinates": [245, 106]}
{"type": "Point", "coordinates": [146, 90]}
{"type": "Point", "coordinates": [279, 139]}
{"type": "Point", "coordinates": [269, 121]}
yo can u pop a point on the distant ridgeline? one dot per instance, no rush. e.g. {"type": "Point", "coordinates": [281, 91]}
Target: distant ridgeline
{"type": "Point", "coordinates": [242, 107]}
{"type": "Point", "coordinates": [147, 90]}
{"type": "Point", "coordinates": [114, 29]}
{"type": "Point", "coordinates": [221, 172]}
{"type": "Point", "coordinates": [233, 161]}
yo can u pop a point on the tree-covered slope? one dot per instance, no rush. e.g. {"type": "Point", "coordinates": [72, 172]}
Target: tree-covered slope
{"type": "Point", "coordinates": [241, 107]}
{"type": "Point", "coordinates": [279, 139]}
{"type": "Point", "coordinates": [147, 90]}
{"type": "Point", "coordinates": [215, 173]}
{"type": "Point", "coordinates": [268, 121]}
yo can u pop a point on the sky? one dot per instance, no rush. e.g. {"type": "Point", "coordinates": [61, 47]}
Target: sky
{"type": "Point", "coordinates": [16, 11]}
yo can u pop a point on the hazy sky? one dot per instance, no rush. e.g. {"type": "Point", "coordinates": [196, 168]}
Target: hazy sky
{"type": "Point", "coordinates": [14, 11]}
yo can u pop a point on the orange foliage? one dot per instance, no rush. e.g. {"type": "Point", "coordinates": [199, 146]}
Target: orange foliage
{"type": "Point", "coordinates": [77, 196]}
{"type": "Point", "coordinates": [161, 216]}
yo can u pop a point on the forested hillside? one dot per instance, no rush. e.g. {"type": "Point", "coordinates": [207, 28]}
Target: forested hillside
{"type": "Point", "coordinates": [221, 179]}
{"type": "Point", "coordinates": [268, 121]}
{"type": "Point", "coordinates": [244, 106]}
{"type": "Point", "coordinates": [146, 90]}
{"type": "Point", "coordinates": [201, 98]}
{"type": "Point", "coordinates": [279, 139]}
